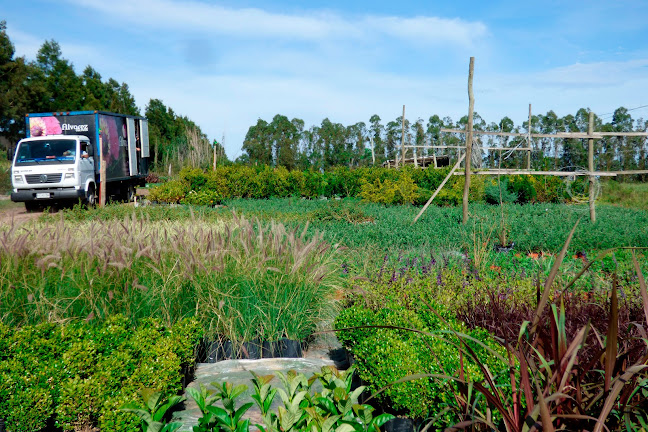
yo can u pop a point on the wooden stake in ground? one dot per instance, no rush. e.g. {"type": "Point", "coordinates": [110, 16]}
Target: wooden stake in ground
{"type": "Point", "coordinates": [590, 166]}
{"type": "Point", "coordinates": [469, 136]}
{"type": "Point", "coordinates": [402, 139]}
{"type": "Point", "coordinates": [102, 175]}
{"type": "Point", "coordinates": [445, 180]}
{"type": "Point", "coordinates": [529, 142]}
{"type": "Point", "coordinates": [214, 155]}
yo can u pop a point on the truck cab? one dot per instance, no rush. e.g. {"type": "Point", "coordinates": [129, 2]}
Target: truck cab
{"type": "Point", "coordinates": [53, 168]}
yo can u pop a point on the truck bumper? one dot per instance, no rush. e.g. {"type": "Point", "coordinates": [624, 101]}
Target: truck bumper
{"type": "Point", "coordinates": [54, 194]}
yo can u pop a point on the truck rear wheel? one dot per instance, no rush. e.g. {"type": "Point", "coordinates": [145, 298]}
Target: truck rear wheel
{"type": "Point", "coordinates": [130, 193]}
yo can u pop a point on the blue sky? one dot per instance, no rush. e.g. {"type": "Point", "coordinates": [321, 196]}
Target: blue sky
{"type": "Point", "coordinates": [224, 64]}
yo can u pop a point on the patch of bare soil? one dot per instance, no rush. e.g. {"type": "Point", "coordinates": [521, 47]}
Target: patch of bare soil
{"type": "Point", "coordinates": [15, 214]}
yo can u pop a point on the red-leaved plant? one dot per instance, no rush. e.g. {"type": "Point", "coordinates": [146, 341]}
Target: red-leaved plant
{"type": "Point", "coordinates": [552, 387]}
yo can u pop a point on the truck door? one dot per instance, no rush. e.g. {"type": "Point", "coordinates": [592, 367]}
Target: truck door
{"type": "Point", "coordinates": [132, 147]}
{"type": "Point", "coordinates": [86, 162]}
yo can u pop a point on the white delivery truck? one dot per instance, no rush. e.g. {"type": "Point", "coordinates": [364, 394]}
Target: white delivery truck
{"type": "Point", "coordinates": [60, 160]}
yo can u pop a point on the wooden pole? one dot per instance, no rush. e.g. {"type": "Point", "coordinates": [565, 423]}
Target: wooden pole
{"type": "Point", "coordinates": [102, 175]}
{"type": "Point", "coordinates": [529, 141]}
{"type": "Point", "coordinates": [445, 180]}
{"type": "Point", "coordinates": [402, 139]}
{"type": "Point", "coordinates": [469, 136]}
{"type": "Point", "coordinates": [214, 155]}
{"type": "Point", "coordinates": [590, 163]}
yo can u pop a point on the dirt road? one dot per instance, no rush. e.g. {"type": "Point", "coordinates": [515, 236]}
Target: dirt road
{"type": "Point", "coordinates": [15, 213]}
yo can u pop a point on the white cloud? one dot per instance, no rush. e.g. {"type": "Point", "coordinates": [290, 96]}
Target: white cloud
{"type": "Point", "coordinates": [592, 75]}
{"type": "Point", "coordinates": [314, 26]}
{"type": "Point", "coordinates": [25, 44]}
{"type": "Point", "coordinates": [429, 30]}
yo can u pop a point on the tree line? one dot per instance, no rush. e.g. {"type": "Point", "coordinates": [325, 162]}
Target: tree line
{"type": "Point", "coordinates": [286, 142]}
{"type": "Point", "coordinates": [51, 84]}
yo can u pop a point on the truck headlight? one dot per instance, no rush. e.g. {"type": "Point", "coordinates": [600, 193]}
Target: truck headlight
{"type": "Point", "coordinates": [69, 176]}
{"type": "Point", "coordinates": [18, 179]}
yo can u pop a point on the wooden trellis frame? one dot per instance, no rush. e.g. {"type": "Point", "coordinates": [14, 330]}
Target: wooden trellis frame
{"type": "Point", "coordinates": [464, 155]}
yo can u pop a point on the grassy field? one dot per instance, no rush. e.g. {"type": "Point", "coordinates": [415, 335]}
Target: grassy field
{"type": "Point", "coordinates": [373, 227]}
{"type": "Point", "coordinates": [631, 195]}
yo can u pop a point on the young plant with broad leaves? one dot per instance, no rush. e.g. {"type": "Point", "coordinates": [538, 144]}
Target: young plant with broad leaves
{"type": "Point", "coordinates": [154, 412]}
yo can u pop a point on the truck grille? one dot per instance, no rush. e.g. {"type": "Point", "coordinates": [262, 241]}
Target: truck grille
{"type": "Point", "coordinates": [43, 178]}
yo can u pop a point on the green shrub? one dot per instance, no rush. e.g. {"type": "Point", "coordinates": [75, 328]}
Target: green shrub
{"type": "Point", "coordinates": [402, 191]}
{"type": "Point", "coordinates": [172, 191]}
{"type": "Point", "coordinates": [203, 198]}
{"type": "Point", "coordinates": [77, 375]}
{"type": "Point", "coordinates": [388, 186]}
{"type": "Point", "coordinates": [195, 177]}
{"type": "Point", "coordinates": [523, 187]}
{"type": "Point", "coordinates": [386, 355]}
{"type": "Point", "coordinates": [493, 194]}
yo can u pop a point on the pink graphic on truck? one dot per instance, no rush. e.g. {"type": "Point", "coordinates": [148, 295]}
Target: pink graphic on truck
{"type": "Point", "coordinates": [43, 126]}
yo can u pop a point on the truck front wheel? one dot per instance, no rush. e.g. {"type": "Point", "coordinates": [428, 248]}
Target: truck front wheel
{"type": "Point", "coordinates": [91, 196]}
{"type": "Point", "coordinates": [32, 206]}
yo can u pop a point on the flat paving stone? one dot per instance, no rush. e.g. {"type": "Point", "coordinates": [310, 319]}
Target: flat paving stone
{"type": "Point", "coordinates": [323, 351]}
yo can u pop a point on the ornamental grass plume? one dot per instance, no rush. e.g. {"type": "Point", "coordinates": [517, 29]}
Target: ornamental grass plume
{"type": "Point", "coordinates": [232, 275]}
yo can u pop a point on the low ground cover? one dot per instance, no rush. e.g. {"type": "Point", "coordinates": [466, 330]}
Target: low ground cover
{"type": "Point", "coordinates": [631, 195]}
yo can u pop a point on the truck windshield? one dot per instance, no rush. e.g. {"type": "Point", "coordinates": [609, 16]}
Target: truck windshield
{"type": "Point", "coordinates": [59, 151]}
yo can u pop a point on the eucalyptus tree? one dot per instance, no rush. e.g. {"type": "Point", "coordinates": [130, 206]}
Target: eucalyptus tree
{"type": "Point", "coordinates": [62, 85]}
{"type": "Point", "coordinates": [377, 130]}
{"type": "Point", "coordinates": [257, 144]}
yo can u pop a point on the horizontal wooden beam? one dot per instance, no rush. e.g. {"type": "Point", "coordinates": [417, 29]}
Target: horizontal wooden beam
{"type": "Point", "coordinates": [463, 147]}
{"type": "Point", "coordinates": [435, 147]}
{"type": "Point", "coordinates": [573, 135]}
{"type": "Point", "coordinates": [504, 148]}
{"type": "Point", "coordinates": [551, 173]}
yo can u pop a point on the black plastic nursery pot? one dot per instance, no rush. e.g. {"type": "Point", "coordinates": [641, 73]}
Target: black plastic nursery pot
{"type": "Point", "coordinates": [288, 348]}
{"type": "Point", "coordinates": [504, 248]}
{"type": "Point", "coordinates": [251, 350]}
{"type": "Point", "coordinates": [211, 351]}
{"type": "Point", "coordinates": [399, 424]}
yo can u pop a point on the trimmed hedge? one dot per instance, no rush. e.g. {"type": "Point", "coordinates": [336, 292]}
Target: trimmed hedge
{"type": "Point", "coordinates": [374, 184]}
{"type": "Point", "coordinates": [78, 375]}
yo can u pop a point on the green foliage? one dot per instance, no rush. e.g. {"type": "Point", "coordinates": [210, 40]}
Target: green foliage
{"type": "Point", "coordinates": [388, 192]}
{"type": "Point", "coordinates": [76, 375]}
{"type": "Point", "coordinates": [172, 191]}
{"type": "Point", "coordinates": [334, 408]}
{"type": "Point", "coordinates": [242, 279]}
{"type": "Point", "coordinates": [5, 176]}
{"type": "Point", "coordinates": [154, 411]}
{"type": "Point", "coordinates": [496, 193]}
{"type": "Point", "coordinates": [378, 185]}
{"type": "Point", "coordinates": [523, 188]}
{"type": "Point", "coordinates": [338, 211]}
{"type": "Point", "coordinates": [385, 356]}
{"type": "Point", "coordinates": [630, 195]}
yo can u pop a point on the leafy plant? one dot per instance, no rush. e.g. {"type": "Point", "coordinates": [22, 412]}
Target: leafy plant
{"type": "Point", "coordinates": [492, 193]}
{"type": "Point", "coordinates": [154, 411]}
{"type": "Point", "coordinates": [335, 409]}
{"type": "Point", "coordinates": [554, 388]}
